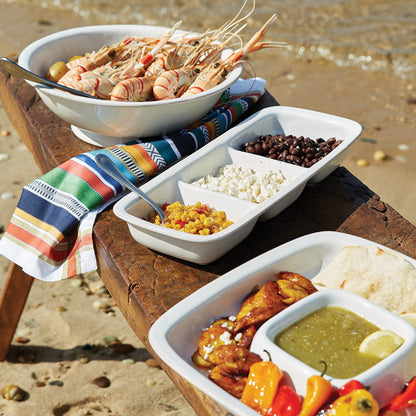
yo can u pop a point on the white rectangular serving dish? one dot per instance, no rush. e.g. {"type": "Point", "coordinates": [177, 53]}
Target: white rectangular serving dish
{"type": "Point", "coordinates": [174, 184]}
{"type": "Point", "coordinates": [175, 335]}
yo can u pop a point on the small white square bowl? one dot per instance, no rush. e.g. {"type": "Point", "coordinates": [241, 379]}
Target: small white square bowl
{"type": "Point", "coordinates": [174, 184]}
{"type": "Point", "coordinates": [397, 367]}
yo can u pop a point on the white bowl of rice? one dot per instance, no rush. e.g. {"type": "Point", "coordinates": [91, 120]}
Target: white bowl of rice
{"type": "Point", "coordinates": [105, 122]}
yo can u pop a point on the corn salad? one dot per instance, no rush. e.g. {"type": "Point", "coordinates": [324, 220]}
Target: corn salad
{"type": "Point", "coordinates": [193, 219]}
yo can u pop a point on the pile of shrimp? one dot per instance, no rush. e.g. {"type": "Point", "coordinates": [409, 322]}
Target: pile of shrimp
{"type": "Point", "coordinates": [146, 69]}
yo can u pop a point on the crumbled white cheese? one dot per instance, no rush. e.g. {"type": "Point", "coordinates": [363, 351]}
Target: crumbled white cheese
{"type": "Point", "coordinates": [207, 350]}
{"type": "Point", "coordinates": [227, 325]}
{"type": "Point", "coordinates": [225, 337]}
{"type": "Point", "coordinates": [244, 183]}
{"type": "Point", "coordinates": [238, 337]}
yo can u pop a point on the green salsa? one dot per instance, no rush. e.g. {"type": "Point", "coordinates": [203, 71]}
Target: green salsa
{"type": "Point", "coordinates": [331, 334]}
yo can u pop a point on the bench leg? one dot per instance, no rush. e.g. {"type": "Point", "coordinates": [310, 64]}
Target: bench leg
{"type": "Point", "coordinates": [12, 301]}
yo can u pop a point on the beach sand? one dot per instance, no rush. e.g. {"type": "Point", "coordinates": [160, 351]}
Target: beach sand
{"type": "Point", "coordinates": [60, 347]}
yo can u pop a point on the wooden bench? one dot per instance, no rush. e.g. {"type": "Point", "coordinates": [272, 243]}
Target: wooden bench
{"type": "Point", "coordinates": [145, 284]}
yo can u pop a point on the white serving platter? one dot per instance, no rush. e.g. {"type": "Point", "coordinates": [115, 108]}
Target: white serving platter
{"type": "Point", "coordinates": [175, 335]}
{"type": "Point", "coordinates": [174, 184]}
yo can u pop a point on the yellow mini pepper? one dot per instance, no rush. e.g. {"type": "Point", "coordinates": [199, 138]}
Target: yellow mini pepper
{"type": "Point", "coordinates": [356, 403]}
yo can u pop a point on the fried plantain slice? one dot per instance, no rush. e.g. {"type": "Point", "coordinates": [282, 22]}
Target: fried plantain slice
{"type": "Point", "coordinates": [224, 322]}
{"type": "Point", "coordinates": [297, 278]}
{"type": "Point", "coordinates": [260, 306]}
{"type": "Point", "coordinates": [234, 356]}
{"type": "Point", "coordinates": [200, 362]}
{"type": "Point", "coordinates": [246, 337]}
{"type": "Point", "coordinates": [213, 337]}
{"type": "Point", "coordinates": [231, 379]}
{"type": "Point", "coordinates": [291, 291]}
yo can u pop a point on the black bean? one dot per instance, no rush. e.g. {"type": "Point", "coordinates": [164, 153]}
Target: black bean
{"type": "Point", "coordinates": [301, 151]}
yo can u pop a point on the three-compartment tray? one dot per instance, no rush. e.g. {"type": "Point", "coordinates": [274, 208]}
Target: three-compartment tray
{"type": "Point", "coordinates": [174, 184]}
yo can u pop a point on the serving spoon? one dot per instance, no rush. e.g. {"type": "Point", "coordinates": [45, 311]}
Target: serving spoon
{"type": "Point", "coordinates": [107, 165]}
{"type": "Point", "coordinates": [20, 72]}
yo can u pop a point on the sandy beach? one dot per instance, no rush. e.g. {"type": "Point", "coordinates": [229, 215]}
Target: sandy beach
{"type": "Point", "coordinates": [62, 341]}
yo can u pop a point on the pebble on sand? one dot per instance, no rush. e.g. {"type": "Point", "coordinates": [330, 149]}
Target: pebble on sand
{"type": "Point", "coordinates": [102, 382]}
{"type": "Point", "coordinates": [22, 340]}
{"type": "Point", "coordinates": [362, 162]}
{"type": "Point", "coordinates": [151, 362]}
{"type": "Point", "coordinates": [7, 195]}
{"type": "Point", "coordinates": [404, 147]}
{"type": "Point", "coordinates": [379, 155]}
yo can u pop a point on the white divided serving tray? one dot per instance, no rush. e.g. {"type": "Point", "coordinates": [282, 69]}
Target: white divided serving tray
{"type": "Point", "coordinates": [174, 184]}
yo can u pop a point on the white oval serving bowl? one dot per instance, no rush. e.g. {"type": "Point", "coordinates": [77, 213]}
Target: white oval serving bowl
{"type": "Point", "coordinates": [103, 122]}
{"type": "Point", "coordinates": [394, 369]}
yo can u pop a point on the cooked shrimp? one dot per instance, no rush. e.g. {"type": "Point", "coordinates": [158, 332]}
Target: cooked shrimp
{"type": "Point", "coordinates": [171, 84]}
{"type": "Point", "coordinates": [174, 57]}
{"type": "Point", "coordinates": [135, 69]}
{"type": "Point", "coordinates": [97, 86]}
{"type": "Point", "coordinates": [133, 89]}
{"type": "Point", "coordinates": [216, 72]}
{"type": "Point", "coordinates": [104, 55]}
{"type": "Point", "coordinates": [180, 66]}
{"type": "Point", "coordinates": [75, 76]}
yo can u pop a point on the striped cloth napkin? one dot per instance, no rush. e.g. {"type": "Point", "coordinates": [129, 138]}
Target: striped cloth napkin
{"type": "Point", "coordinates": [50, 232]}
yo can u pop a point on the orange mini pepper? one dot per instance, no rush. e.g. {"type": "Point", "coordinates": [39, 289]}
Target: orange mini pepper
{"type": "Point", "coordinates": [262, 384]}
{"type": "Point", "coordinates": [318, 391]}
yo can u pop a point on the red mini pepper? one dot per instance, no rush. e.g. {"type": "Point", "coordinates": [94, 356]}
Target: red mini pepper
{"type": "Point", "coordinates": [349, 387]}
{"type": "Point", "coordinates": [286, 403]}
{"type": "Point", "coordinates": [404, 400]}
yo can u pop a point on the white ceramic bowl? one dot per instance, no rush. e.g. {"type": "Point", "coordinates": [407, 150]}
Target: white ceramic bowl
{"type": "Point", "coordinates": [174, 184]}
{"type": "Point", "coordinates": [174, 336]}
{"type": "Point", "coordinates": [103, 122]}
{"type": "Point", "coordinates": [382, 377]}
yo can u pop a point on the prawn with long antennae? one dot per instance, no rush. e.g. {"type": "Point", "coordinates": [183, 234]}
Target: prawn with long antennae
{"type": "Point", "coordinates": [199, 45]}
{"type": "Point", "coordinates": [106, 54]}
{"type": "Point", "coordinates": [172, 84]}
{"type": "Point", "coordinates": [135, 69]}
{"type": "Point", "coordinates": [101, 86]}
{"type": "Point", "coordinates": [216, 72]}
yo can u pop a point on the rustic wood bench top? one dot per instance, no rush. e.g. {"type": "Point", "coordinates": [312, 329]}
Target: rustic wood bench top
{"type": "Point", "coordinates": [144, 283]}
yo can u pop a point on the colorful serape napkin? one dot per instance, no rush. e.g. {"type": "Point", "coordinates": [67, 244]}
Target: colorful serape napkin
{"type": "Point", "coordinates": [50, 232]}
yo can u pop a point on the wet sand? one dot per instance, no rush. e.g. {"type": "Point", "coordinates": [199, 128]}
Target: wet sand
{"type": "Point", "coordinates": [61, 319]}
